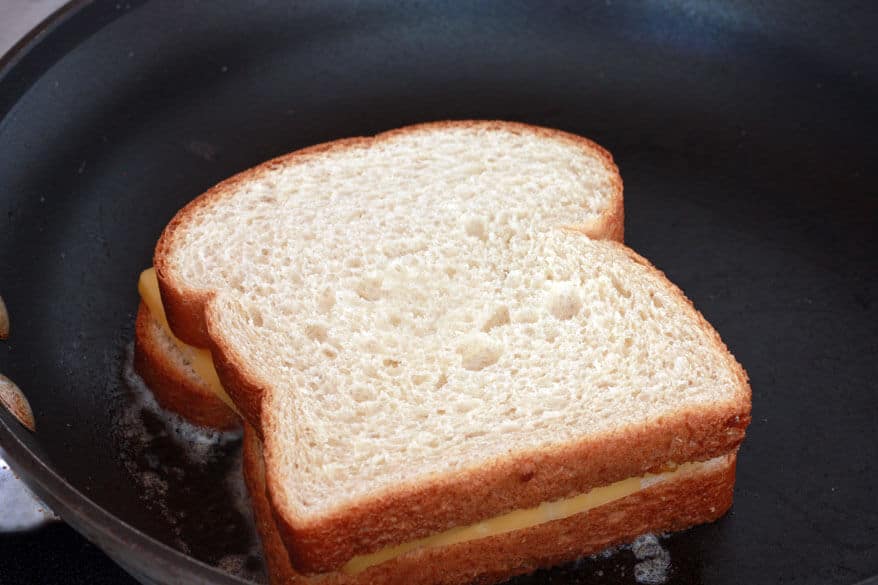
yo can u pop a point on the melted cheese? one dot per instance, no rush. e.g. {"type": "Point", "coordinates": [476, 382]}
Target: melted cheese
{"type": "Point", "coordinates": [200, 359]}
{"type": "Point", "coordinates": [520, 519]}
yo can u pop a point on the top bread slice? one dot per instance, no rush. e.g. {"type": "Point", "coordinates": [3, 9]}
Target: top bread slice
{"type": "Point", "coordinates": [424, 335]}
{"type": "Point", "coordinates": [180, 390]}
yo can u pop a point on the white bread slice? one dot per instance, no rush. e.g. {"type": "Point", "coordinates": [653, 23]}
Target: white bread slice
{"type": "Point", "coordinates": [435, 173]}
{"type": "Point", "coordinates": [172, 379]}
{"type": "Point", "coordinates": [421, 345]}
{"type": "Point", "coordinates": [180, 389]}
{"type": "Point", "coordinates": [699, 496]}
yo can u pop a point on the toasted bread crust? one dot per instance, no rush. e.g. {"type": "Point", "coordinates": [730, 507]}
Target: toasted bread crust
{"type": "Point", "coordinates": [172, 388]}
{"type": "Point", "coordinates": [521, 481]}
{"type": "Point", "coordinates": [672, 505]}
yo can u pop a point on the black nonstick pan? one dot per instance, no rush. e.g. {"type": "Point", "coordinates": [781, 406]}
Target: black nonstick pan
{"type": "Point", "coordinates": [746, 136]}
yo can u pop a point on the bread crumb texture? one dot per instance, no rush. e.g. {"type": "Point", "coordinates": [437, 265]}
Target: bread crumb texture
{"type": "Point", "coordinates": [413, 307]}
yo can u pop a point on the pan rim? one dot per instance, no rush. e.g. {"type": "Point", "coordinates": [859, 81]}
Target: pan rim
{"type": "Point", "coordinates": [88, 518]}
{"type": "Point", "coordinates": [36, 35]}
{"type": "Point", "coordinates": [93, 521]}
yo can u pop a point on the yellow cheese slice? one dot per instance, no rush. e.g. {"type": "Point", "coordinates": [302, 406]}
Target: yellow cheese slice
{"type": "Point", "coordinates": [200, 359]}
{"type": "Point", "coordinates": [519, 519]}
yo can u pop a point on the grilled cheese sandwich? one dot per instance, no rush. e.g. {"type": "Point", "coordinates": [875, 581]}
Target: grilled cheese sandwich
{"type": "Point", "coordinates": [434, 310]}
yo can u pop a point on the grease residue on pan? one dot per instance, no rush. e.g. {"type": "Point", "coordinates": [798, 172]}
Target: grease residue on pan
{"type": "Point", "coordinates": [653, 560]}
{"type": "Point", "coordinates": [191, 476]}
{"type": "Point", "coordinates": [646, 561]}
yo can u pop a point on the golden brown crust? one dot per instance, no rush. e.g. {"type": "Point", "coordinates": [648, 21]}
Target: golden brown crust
{"type": "Point", "coordinates": [241, 386]}
{"type": "Point", "coordinates": [172, 388]}
{"type": "Point", "coordinates": [610, 226]}
{"type": "Point", "coordinates": [276, 559]}
{"type": "Point", "coordinates": [671, 505]}
{"type": "Point", "coordinates": [517, 482]}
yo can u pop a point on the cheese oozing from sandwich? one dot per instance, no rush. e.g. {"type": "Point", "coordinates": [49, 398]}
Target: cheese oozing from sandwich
{"type": "Point", "coordinates": [199, 358]}
{"type": "Point", "coordinates": [202, 362]}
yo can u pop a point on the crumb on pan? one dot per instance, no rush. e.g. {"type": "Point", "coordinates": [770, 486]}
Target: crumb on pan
{"type": "Point", "coordinates": [15, 402]}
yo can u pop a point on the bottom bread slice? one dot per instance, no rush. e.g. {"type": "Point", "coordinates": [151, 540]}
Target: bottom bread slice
{"type": "Point", "coordinates": [174, 383]}
{"type": "Point", "coordinates": [695, 497]}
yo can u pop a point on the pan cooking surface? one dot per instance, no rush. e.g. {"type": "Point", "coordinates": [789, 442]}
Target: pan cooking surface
{"type": "Point", "coordinates": [745, 136]}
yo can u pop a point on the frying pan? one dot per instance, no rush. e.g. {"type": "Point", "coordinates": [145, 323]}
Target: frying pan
{"type": "Point", "coordinates": [745, 132]}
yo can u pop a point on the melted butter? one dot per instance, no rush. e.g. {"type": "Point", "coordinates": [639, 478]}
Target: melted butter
{"type": "Point", "coordinates": [199, 358]}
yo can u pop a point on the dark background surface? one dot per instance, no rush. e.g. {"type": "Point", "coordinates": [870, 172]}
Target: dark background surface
{"type": "Point", "coordinates": [56, 554]}
{"type": "Point", "coordinates": [746, 136]}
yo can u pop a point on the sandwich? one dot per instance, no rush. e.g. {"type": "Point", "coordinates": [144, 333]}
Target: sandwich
{"type": "Point", "coordinates": [447, 365]}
